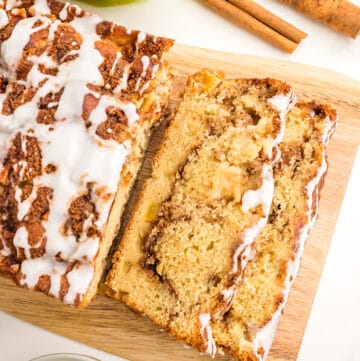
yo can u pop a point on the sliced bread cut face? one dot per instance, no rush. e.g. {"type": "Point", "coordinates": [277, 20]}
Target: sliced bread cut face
{"type": "Point", "coordinates": [248, 328]}
{"type": "Point", "coordinates": [190, 237]}
{"type": "Point", "coordinates": [78, 99]}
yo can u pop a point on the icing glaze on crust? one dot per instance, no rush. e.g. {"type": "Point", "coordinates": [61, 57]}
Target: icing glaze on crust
{"type": "Point", "coordinates": [283, 103]}
{"type": "Point", "coordinates": [70, 112]}
{"type": "Point", "coordinates": [262, 196]}
{"type": "Point", "coordinates": [247, 330]}
{"type": "Point", "coordinates": [206, 333]}
{"type": "Point", "coordinates": [263, 337]}
{"type": "Point", "coordinates": [251, 199]}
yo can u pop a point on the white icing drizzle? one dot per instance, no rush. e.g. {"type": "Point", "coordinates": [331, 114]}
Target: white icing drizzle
{"type": "Point", "coordinates": [244, 249]}
{"type": "Point", "coordinates": [64, 12]}
{"type": "Point", "coordinates": [262, 196]}
{"type": "Point", "coordinates": [154, 70]}
{"type": "Point", "coordinates": [33, 269]}
{"type": "Point", "coordinates": [67, 144]}
{"type": "Point", "coordinates": [328, 130]}
{"type": "Point", "coordinates": [206, 333]}
{"type": "Point", "coordinates": [81, 71]}
{"type": "Point", "coordinates": [3, 18]}
{"type": "Point", "coordinates": [21, 241]}
{"type": "Point", "coordinates": [74, 172]}
{"type": "Point", "coordinates": [41, 7]}
{"type": "Point", "coordinates": [5, 252]}
{"type": "Point", "coordinates": [78, 9]}
{"type": "Point", "coordinates": [4, 139]}
{"type": "Point", "coordinates": [144, 88]}
{"type": "Point", "coordinates": [282, 103]}
{"type": "Point", "coordinates": [35, 76]}
{"type": "Point", "coordinates": [113, 68]}
{"type": "Point", "coordinates": [12, 48]}
{"type": "Point", "coordinates": [11, 4]}
{"type": "Point", "coordinates": [52, 104]}
{"type": "Point", "coordinates": [141, 37]}
{"type": "Point", "coordinates": [263, 337]}
{"type": "Point", "coordinates": [23, 206]}
{"type": "Point", "coordinates": [228, 294]}
{"type": "Point", "coordinates": [311, 186]}
{"type": "Point", "coordinates": [99, 113]}
{"type": "Point", "coordinates": [123, 83]}
{"type": "Point", "coordinates": [145, 60]}
{"type": "Point", "coordinates": [79, 279]}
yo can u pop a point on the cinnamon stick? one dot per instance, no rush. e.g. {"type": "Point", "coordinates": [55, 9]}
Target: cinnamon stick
{"type": "Point", "coordinates": [271, 20]}
{"type": "Point", "coordinates": [341, 15]}
{"type": "Point", "coordinates": [246, 21]}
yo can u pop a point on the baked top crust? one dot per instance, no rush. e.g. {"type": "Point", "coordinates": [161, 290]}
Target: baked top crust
{"type": "Point", "coordinates": [77, 92]}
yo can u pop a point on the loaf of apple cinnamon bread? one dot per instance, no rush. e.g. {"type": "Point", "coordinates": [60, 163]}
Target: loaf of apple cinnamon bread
{"type": "Point", "coordinates": [78, 99]}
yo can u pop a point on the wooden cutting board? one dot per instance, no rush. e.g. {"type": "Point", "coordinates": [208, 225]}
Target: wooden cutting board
{"type": "Point", "coordinates": [110, 326]}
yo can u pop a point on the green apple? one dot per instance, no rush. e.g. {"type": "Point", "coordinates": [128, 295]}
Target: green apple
{"type": "Point", "coordinates": [108, 2]}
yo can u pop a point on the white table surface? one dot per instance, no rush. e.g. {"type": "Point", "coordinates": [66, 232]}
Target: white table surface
{"type": "Point", "coordinates": [332, 332]}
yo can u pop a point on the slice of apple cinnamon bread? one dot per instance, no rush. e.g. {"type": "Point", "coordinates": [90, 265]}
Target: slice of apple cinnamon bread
{"type": "Point", "coordinates": [190, 237]}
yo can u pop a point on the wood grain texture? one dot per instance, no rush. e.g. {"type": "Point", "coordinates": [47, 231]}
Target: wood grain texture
{"type": "Point", "coordinates": [110, 326]}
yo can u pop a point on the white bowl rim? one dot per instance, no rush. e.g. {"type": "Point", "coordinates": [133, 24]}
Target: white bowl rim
{"type": "Point", "coordinates": [55, 356]}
